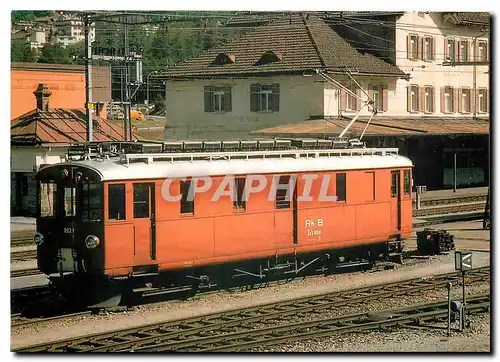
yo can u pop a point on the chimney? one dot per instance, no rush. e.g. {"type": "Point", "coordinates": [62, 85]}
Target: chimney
{"type": "Point", "coordinates": [42, 95]}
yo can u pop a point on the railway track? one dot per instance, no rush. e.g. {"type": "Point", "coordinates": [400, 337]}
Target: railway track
{"type": "Point", "coordinates": [24, 272]}
{"type": "Point", "coordinates": [450, 209]}
{"type": "Point", "coordinates": [23, 255]}
{"type": "Point", "coordinates": [453, 200]}
{"type": "Point", "coordinates": [249, 338]}
{"type": "Point", "coordinates": [17, 320]}
{"type": "Point", "coordinates": [187, 334]}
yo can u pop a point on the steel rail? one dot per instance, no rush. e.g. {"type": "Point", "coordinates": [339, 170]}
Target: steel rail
{"type": "Point", "coordinates": [180, 330]}
{"type": "Point", "coordinates": [17, 320]}
{"type": "Point", "coordinates": [244, 340]}
{"type": "Point", "coordinates": [25, 272]}
{"type": "Point", "coordinates": [23, 254]}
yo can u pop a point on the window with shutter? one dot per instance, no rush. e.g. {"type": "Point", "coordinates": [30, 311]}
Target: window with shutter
{"type": "Point", "coordinates": [464, 51]}
{"type": "Point", "coordinates": [428, 99]}
{"type": "Point", "coordinates": [413, 98]}
{"type": "Point", "coordinates": [450, 44]}
{"type": "Point", "coordinates": [482, 52]}
{"type": "Point", "coordinates": [264, 97]}
{"type": "Point", "coordinates": [448, 99]}
{"type": "Point", "coordinates": [428, 48]}
{"type": "Point", "coordinates": [351, 99]}
{"type": "Point", "coordinates": [413, 47]}
{"type": "Point", "coordinates": [375, 91]}
{"type": "Point", "coordinates": [483, 98]}
{"type": "Point", "coordinates": [218, 99]}
{"type": "Point", "coordinates": [465, 100]}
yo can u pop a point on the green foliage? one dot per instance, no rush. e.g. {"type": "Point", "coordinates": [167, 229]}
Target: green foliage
{"type": "Point", "coordinates": [21, 52]}
{"type": "Point", "coordinates": [54, 54]}
{"type": "Point", "coordinates": [18, 15]}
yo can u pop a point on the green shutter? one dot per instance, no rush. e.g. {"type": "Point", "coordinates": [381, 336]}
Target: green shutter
{"type": "Point", "coordinates": [276, 97]}
{"type": "Point", "coordinates": [208, 92]}
{"type": "Point", "coordinates": [227, 99]}
{"type": "Point", "coordinates": [254, 97]}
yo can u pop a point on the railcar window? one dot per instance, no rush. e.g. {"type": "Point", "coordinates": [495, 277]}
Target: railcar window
{"type": "Point", "coordinates": [141, 201]}
{"type": "Point", "coordinates": [394, 183]}
{"type": "Point", "coordinates": [69, 201]}
{"type": "Point", "coordinates": [187, 206]}
{"type": "Point", "coordinates": [282, 201]}
{"type": "Point", "coordinates": [91, 202]}
{"type": "Point", "coordinates": [116, 202]}
{"type": "Point", "coordinates": [341, 187]}
{"type": "Point", "coordinates": [48, 199]}
{"type": "Point", "coordinates": [239, 187]}
{"type": "Point", "coordinates": [407, 182]}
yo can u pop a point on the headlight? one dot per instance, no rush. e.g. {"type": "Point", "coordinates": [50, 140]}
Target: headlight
{"type": "Point", "coordinates": [92, 241]}
{"type": "Point", "coordinates": [38, 239]}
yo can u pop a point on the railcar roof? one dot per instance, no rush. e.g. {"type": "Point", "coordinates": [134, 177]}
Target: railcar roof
{"type": "Point", "coordinates": [114, 169]}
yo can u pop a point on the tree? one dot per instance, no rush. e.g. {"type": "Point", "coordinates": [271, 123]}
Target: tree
{"type": "Point", "coordinates": [54, 54]}
{"type": "Point", "coordinates": [22, 52]}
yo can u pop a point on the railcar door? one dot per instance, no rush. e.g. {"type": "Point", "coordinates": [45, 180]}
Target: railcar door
{"type": "Point", "coordinates": [144, 223]}
{"type": "Point", "coordinates": [396, 200]}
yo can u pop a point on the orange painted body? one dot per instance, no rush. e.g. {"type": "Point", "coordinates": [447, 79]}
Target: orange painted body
{"type": "Point", "coordinates": [216, 233]}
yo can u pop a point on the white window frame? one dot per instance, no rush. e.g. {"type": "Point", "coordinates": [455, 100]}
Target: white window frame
{"type": "Point", "coordinates": [483, 101]}
{"type": "Point", "coordinates": [219, 100]}
{"type": "Point", "coordinates": [377, 94]}
{"type": "Point", "coordinates": [413, 46]}
{"type": "Point", "coordinates": [351, 101]}
{"type": "Point", "coordinates": [428, 99]}
{"type": "Point", "coordinates": [428, 47]}
{"type": "Point", "coordinates": [264, 96]}
{"type": "Point", "coordinates": [448, 100]}
{"type": "Point", "coordinates": [414, 98]}
{"type": "Point", "coordinates": [465, 99]}
{"type": "Point", "coordinates": [482, 51]}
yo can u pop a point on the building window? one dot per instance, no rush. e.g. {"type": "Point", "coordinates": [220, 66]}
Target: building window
{"type": "Point", "coordinates": [282, 193]}
{"type": "Point", "coordinates": [428, 48]}
{"type": "Point", "coordinates": [482, 51]}
{"type": "Point", "coordinates": [341, 187]}
{"type": "Point", "coordinates": [429, 99]}
{"type": "Point", "coordinates": [407, 182]}
{"type": "Point", "coordinates": [377, 94]}
{"type": "Point", "coordinates": [483, 100]}
{"type": "Point", "coordinates": [448, 99]}
{"type": "Point", "coordinates": [450, 44]}
{"type": "Point", "coordinates": [141, 201]}
{"type": "Point", "coordinates": [413, 47]}
{"type": "Point", "coordinates": [187, 205]}
{"type": "Point", "coordinates": [264, 97]}
{"type": "Point", "coordinates": [116, 202]}
{"type": "Point", "coordinates": [218, 99]}
{"type": "Point", "coordinates": [239, 202]}
{"type": "Point", "coordinates": [352, 100]}
{"type": "Point", "coordinates": [413, 98]}
{"type": "Point", "coordinates": [464, 51]}
{"type": "Point", "coordinates": [465, 100]}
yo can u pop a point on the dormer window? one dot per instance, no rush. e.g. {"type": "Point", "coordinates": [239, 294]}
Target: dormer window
{"type": "Point", "coordinates": [224, 58]}
{"type": "Point", "coordinates": [270, 57]}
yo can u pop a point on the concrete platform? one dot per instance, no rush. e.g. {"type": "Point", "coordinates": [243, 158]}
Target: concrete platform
{"type": "Point", "coordinates": [449, 194]}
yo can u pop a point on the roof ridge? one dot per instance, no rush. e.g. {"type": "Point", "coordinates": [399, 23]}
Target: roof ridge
{"type": "Point", "coordinates": [311, 37]}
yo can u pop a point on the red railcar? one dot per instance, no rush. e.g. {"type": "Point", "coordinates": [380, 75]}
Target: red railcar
{"type": "Point", "coordinates": [128, 221]}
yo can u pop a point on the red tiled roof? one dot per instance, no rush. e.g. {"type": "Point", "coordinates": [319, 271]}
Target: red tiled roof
{"type": "Point", "coordinates": [380, 127]}
{"type": "Point", "coordinates": [61, 125]}
{"type": "Point", "coordinates": [306, 44]}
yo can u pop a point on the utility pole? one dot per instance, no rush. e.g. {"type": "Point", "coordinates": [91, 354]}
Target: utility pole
{"type": "Point", "coordinates": [88, 75]}
{"type": "Point", "coordinates": [127, 126]}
